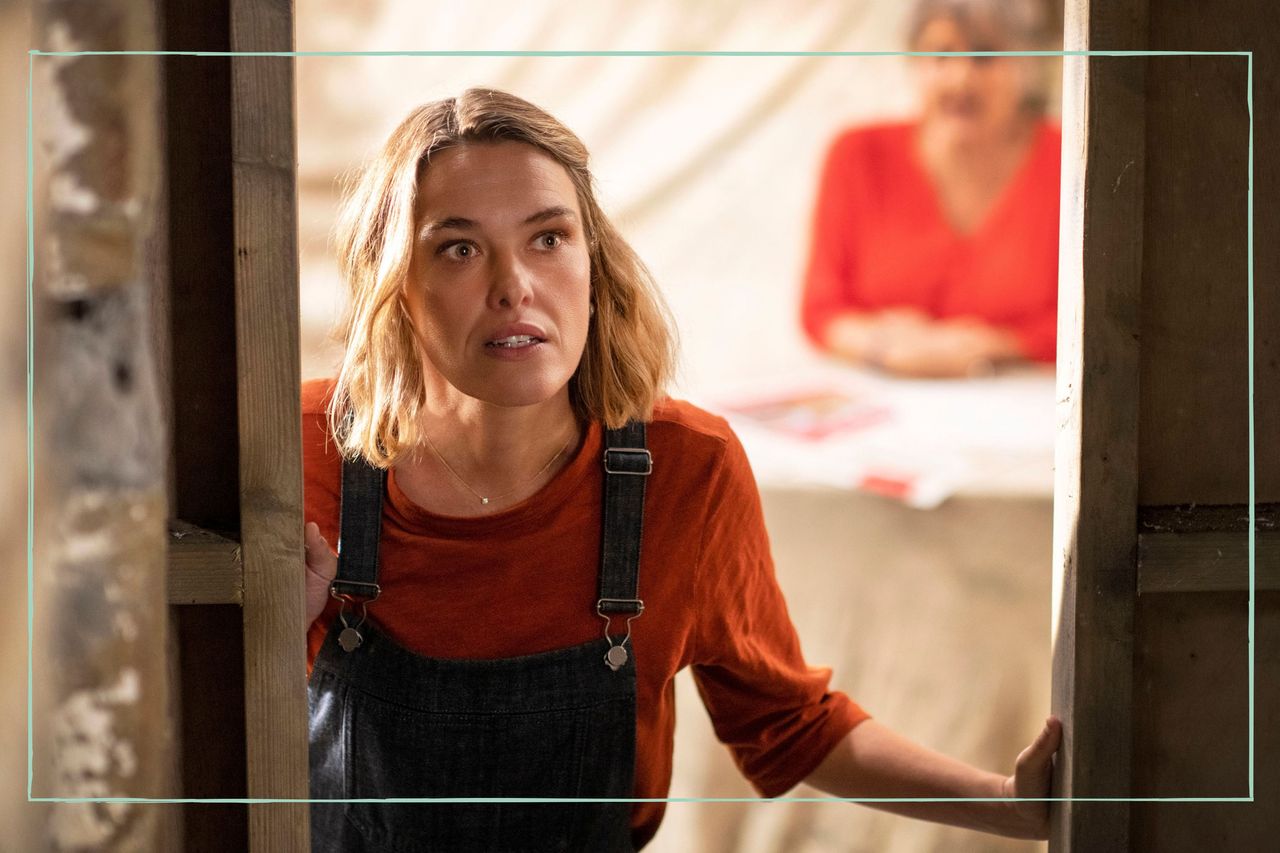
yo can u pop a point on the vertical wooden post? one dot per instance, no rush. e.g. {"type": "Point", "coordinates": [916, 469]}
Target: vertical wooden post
{"type": "Point", "coordinates": [100, 671]}
{"type": "Point", "coordinates": [268, 370]}
{"type": "Point", "coordinates": [1095, 502]}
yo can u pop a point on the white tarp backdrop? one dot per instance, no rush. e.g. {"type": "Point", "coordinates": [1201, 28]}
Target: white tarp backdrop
{"type": "Point", "coordinates": [707, 164]}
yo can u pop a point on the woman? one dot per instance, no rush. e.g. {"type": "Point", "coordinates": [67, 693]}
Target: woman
{"type": "Point", "coordinates": [496, 628]}
{"type": "Point", "coordinates": [935, 242]}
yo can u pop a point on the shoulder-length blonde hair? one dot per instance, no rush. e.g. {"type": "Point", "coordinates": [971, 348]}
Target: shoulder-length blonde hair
{"type": "Point", "coordinates": [379, 395]}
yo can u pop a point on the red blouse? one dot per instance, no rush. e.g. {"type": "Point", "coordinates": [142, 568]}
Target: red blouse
{"type": "Point", "coordinates": [880, 240]}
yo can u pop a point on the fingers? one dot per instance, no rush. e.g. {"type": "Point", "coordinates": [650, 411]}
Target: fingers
{"type": "Point", "coordinates": [1035, 763]}
{"type": "Point", "coordinates": [1050, 737]}
{"type": "Point", "coordinates": [904, 315]}
{"type": "Point", "coordinates": [320, 558]}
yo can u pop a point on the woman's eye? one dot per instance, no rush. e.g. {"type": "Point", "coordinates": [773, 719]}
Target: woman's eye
{"type": "Point", "coordinates": [457, 251]}
{"type": "Point", "coordinates": [550, 240]}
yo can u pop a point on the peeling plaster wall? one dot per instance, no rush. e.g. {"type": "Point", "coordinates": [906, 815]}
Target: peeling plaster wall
{"type": "Point", "coordinates": [102, 722]}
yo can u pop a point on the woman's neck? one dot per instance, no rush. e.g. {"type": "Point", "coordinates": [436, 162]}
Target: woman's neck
{"type": "Point", "coordinates": [970, 174]}
{"type": "Point", "coordinates": [477, 458]}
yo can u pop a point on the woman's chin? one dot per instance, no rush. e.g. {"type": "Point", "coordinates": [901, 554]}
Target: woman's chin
{"type": "Point", "coordinates": [963, 129]}
{"type": "Point", "coordinates": [959, 126]}
{"type": "Point", "coordinates": [520, 395]}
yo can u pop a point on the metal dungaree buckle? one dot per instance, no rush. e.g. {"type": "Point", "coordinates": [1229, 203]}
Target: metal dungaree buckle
{"type": "Point", "coordinates": [616, 657]}
{"type": "Point", "coordinates": [350, 639]}
{"type": "Point", "coordinates": [648, 457]}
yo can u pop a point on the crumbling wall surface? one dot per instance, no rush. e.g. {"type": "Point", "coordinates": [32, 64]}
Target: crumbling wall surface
{"type": "Point", "coordinates": [101, 721]}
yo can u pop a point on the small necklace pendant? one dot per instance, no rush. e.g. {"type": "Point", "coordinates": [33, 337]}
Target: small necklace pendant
{"type": "Point", "coordinates": [484, 501]}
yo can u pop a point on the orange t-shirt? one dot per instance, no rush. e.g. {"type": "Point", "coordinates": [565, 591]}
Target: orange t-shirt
{"type": "Point", "coordinates": [525, 580]}
{"type": "Point", "coordinates": [880, 240]}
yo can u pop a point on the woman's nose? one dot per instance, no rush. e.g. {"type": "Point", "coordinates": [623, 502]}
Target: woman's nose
{"type": "Point", "coordinates": [956, 71]}
{"type": "Point", "coordinates": [512, 282]}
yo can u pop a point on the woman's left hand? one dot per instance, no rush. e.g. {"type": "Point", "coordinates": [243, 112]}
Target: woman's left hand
{"type": "Point", "coordinates": [1031, 777]}
{"type": "Point", "coordinates": [946, 349]}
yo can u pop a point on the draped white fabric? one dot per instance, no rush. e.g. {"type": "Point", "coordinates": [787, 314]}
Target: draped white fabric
{"type": "Point", "coordinates": [707, 164]}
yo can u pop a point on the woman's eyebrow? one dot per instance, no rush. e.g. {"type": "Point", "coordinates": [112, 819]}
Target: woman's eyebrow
{"type": "Point", "coordinates": [455, 223]}
{"type": "Point", "coordinates": [460, 223]}
{"type": "Point", "coordinates": [551, 213]}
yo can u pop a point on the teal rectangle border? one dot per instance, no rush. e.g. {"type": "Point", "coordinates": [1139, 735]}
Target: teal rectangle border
{"type": "Point", "coordinates": [30, 374]}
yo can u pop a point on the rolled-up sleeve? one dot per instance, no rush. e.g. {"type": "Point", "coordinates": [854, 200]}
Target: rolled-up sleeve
{"type": "Point", "coordinates": [777, 715]}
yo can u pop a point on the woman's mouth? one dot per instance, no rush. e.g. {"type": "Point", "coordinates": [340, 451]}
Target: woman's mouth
{"type": "Point", "coordinates": [515, 342]}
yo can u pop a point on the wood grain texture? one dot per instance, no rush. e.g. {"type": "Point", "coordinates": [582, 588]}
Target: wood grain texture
{"type": "Point", "coordinates": [1194, 387]}
{"type": "Point", "coordinates": [1203, 518]}
{"type": "Point", "coordinates": [1095, 526]}
{"type": "Point", "coordinates": [263, 180]}
{"type": "Point", "coordinates": [1214, 561]}
{"type": "Point", "coordinates": [1191, 671]}
{"type": "Point", "coordinates": [1191, 723]}
{"type": "Point", "coordinates": [204, 568]}
{"type": "Point", "coordinates": [1196, 226]}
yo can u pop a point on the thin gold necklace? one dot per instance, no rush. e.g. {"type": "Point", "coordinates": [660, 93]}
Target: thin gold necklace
{"type": "Point", "coordinates": [483, 500]}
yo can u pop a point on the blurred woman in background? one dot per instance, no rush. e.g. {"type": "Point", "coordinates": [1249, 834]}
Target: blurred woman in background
{"type": "Point", "coordinates": [935, 241]}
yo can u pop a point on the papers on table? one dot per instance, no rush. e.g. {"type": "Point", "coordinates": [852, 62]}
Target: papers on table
{"type": "Point", "coordinates": [915, 441]}
{"type": "Point", "coordinates": [812, 414]}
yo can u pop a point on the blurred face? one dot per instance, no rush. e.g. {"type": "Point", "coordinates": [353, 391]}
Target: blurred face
{"type": "Point", "coordinates": [969, 97]}
{"type": "Point", "coordinates": [499, 284]}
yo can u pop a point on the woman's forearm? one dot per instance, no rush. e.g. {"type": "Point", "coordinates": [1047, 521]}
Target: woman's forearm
{"type": "Point", "coordinates": [873, 761]}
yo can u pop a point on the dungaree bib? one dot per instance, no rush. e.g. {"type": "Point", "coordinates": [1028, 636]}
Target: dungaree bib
{"type": "Point", "coordinates": [387, 722]}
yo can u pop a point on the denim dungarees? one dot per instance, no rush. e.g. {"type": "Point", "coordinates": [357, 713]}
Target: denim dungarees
{"type": "Point", "coordinates": [387, 722]}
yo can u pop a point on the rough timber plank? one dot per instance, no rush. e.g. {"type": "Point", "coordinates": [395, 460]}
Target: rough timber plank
{"type": "Point", "coordinates": [1095, 512]}
{"type": "Point", "coordinates": [263, 180]}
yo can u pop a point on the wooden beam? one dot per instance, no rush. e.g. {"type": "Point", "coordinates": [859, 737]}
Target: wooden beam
{"type": "Point", "coordinates": [1209, 561]}
{"type": "Point", "coordinates": [1197, 518]}
{"type": "Point", "coordinates": [1096, 488]}
{"type": "Point", "coordinates": [204, 568]}
{"type": "Point", "coordinates": [266, 258]}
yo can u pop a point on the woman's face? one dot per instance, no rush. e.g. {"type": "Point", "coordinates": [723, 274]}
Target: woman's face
{"type": "Point", "coordinates": [499, 284]}
{"type": "Point", "coordinates": [971, 97]}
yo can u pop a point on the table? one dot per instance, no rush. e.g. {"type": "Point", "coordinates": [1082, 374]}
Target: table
{"type": "Point", "coordinates": [933, 609]}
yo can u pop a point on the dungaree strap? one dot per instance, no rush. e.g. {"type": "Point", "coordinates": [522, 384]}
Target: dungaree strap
{"type": "Point", "coordinates": [361, 526]}
{"type": "Point", "coordinates": [627, 464]}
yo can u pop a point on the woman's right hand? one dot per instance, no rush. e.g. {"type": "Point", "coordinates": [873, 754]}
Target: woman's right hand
{"type": "Point", "coordinates": [322, 567]}
{"type": "Point", "coordinates": [863, 338]}
{"type": "Point", "coordinates": [906, 342]}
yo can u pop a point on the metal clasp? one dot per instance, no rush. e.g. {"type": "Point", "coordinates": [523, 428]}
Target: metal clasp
{"type": "Point", "coordinates": [350, 638]}
{"type": "Point", "coordinates": [333, 590]}
{"type": "Point", "coordinates": [616, 656]}
{"type": "Point", "coordinates": [648, 458]}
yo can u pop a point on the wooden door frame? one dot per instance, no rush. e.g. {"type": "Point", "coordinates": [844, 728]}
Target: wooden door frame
{"type": "Point", "coordinates": [1096, 456]}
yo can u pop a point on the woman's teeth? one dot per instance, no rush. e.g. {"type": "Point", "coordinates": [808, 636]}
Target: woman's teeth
{"type": "Point", "coordinates": [513, 341]}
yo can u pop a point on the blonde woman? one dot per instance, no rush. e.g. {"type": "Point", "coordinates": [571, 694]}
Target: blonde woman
{"type": "Point", "coordinates": [535, 539]}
